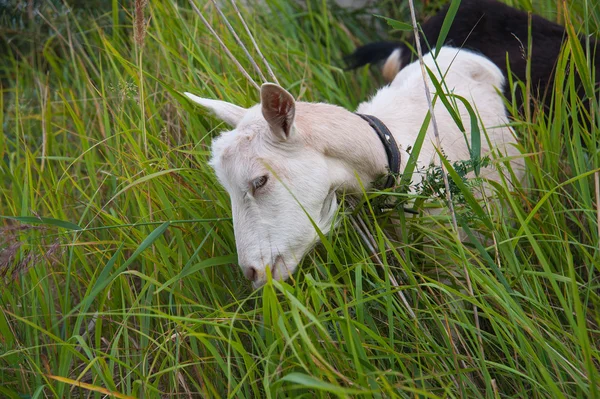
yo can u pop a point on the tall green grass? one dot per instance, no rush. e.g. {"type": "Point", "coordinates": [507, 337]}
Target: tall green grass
{"type": "Point", "coordinates": [118, 255]}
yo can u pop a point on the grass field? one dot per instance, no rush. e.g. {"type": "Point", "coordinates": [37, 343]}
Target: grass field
{"type": "Point", "coordinates": [117, 255]}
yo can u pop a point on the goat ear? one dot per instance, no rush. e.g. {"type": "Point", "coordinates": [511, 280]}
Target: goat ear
{"type": "Point", "coordinates": [278, 109]}
{"type": "Point", "coordinates": [227, 112]}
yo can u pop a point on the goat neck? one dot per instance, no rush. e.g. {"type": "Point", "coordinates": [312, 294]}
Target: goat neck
{"type": "Point", "coordinates": [350, 145]}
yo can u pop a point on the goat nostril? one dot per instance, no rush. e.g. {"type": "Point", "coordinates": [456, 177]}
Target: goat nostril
{"type": "Point", "coordinates": [250, 273]}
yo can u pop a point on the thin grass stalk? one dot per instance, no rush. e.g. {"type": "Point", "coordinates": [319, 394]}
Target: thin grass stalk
{"type": "Point", "coordinates": [455, 353]}
{"type": "Point", "coordinates": [443, 169]}
{"type": "Point", "coordinates": [184, 385]}
{"type": "Point", "coordinates": [229, 54]}
{"type": "Point", "coordinates": [239, 41]}
{"type": "Point", "coordinates": [597, 187]}
{"type": "Point", "coordinates": [43, 87]}
{"type": "Point", "coordinates": [593, 113]}
{"type": "Point", "coordinates": [433, 118]}
{"type": "Point", "coordinates": [369, 242]}
{"type": "Point", "coordinates": [139, 36]}
{"type": "Point", "coordinates": [527, 101]}
{"type": "Point", "coordinates": [559, 14]}
{"type": "Point", "coordinates": [262, 57]}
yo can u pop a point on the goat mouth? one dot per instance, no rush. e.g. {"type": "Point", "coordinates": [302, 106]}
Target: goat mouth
{"type": "Point", "coordinates": [279, 272]}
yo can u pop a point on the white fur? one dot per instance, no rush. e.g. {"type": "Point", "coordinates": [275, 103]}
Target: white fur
{"type": "Point", "coordinates": [328, 146]}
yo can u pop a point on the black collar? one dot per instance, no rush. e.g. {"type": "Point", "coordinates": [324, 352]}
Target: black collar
{"type": "Point", "coordinates": [391, 148]}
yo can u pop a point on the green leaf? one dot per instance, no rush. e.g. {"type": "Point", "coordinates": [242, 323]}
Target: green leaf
{"type": "Point", "coordinates": [45, 221]}
{"type": "Point", "coordinates": [448, 20]}
{"type": "Point", "coordinates": [485, 256]}
{"type": "Point", "coordinates": [145, 179]}
{"type": "Point", "coordinates": [105, 277]}
{"type": "Point", "coordinates": [471, 200]}
{"type": "Point", "coordinates": [6, 336]}
{"type": "Point", "coordinates": [314, 383]}
{"type": "Point", "coordinates": [396, 24]}
{"type": "Point", "coordinates": [10, 394]}
{"type": "Point", "coordinates": [191, 269]}
{"type": "Point", "coordinates": [411, 164]}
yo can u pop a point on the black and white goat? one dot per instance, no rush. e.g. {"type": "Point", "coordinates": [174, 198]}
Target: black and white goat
{"type": "Point", "coordinates": [492, 29]}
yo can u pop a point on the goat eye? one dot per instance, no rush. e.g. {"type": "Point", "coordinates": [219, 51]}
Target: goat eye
{"type": "Point", "coordinates": [259, 182]}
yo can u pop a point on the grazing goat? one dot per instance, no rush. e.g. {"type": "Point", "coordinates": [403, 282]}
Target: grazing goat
{"type": "Point", "coordinates": [492, 29]}
{"type": "Point", "coordinates": [285, 162]}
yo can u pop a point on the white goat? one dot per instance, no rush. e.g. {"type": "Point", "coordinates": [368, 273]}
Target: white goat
{"type": "Point", "coordinates": [285, 160]}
